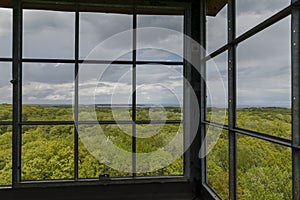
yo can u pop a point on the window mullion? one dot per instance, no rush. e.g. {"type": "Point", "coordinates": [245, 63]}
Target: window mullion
{"type": "Point", "coordinates": [134, 94]}
{"type": "Point", "coordinates": [17, 93]}
{"type": "Point", "coordinates": [232, 100]}
{"type": "Point", "coordinates": [76, 98]}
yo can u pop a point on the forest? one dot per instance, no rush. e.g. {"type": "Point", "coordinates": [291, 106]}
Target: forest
{"type": "Point", "coordinates": [264, 169]}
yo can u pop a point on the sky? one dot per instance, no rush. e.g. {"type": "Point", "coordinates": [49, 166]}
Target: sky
{"type": "Point", "coordinates": [263, 61]}
{"type": "Point", "coordinates": [263, 73]}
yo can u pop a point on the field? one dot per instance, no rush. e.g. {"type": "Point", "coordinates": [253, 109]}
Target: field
{"type": "Point", "coordinates": [264, 169]}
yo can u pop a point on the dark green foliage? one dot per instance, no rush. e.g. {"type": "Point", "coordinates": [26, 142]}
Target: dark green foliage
{"type": "Point", "coordinates": [264, 169]}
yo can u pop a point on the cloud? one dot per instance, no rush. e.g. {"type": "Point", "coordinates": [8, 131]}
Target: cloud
{"type": "Point", "coordinates": [49, 34]}
{"type": "Point", "coordinates": [5, 32]}
{"type": "Point", "coordinates": [263, 61]}
{"type": "Point", "coordinates": [44, 93]}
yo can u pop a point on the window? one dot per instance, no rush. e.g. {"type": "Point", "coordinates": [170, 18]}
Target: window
{"type": "Point", "coordinates": [249, 150]}
{"type": "Point", "coordinates": [6, 91]}
{"type": "Point", "coordinates": [99, 96]}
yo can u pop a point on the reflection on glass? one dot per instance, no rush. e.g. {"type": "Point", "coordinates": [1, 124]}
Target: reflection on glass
{"type": "Point", "coordinates": [264, 169]}
{"type": "Point", "coordinates": [5, 155]}
{"type": "Point", "coordinates": [160, 38]}
{"type": "Point", "coordinates": [159, 149]}
{"type": "Point", "coordinates": [250, 13]}
{"type": "Point", "coordinates": [217, 90]}
{"type": "Point", "coordinates": [48, 34]}
{"type": "Point", "coordinates": [216, 30]}
{"type": "Point", "coordinates": [47, 152]}
{"type": "Point", "coordinates": [5, 32]}
{"type": "Point", "coordinates": [105, 92]}
{"type": "Point", "coordinates": [47, 92]}
{"type": "Point", "coordinates": [159, 92]}
{"type": "Point", "coordinates": [105, 36]}
{"type": "Point", "coordinates": [217, 161]}
{"type": "Point", "coordinates": [5, 92]}
{"type": "Point", "coordinates": [264, 81]}
{"type": "Point", "coordinates": [105, 149]}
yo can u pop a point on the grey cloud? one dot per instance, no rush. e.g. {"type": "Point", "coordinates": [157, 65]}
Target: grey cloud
{"type": "Point", "coordinates": [260, 6]}
{"type": "Point", "coordinates": [169, 22]}
{"type": "Point", "coordinates": [97, 27]}
{"type": "Point", "coordinates": [49, 34]}
{"type": "Point", "coordinates": [48, 73]}
{"type": "Point", "coordinates": [5, 32]}
{"type": "Point", "coordinates": [216, 32]}
{"type": "Point", "coordinates": [37, 21]}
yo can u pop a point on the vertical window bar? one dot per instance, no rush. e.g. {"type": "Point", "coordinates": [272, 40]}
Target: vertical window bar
{"type": "Point", "coordinates": [17, 94]}
{"type": "Point", "coordinates": [186, 117]}
{"type": "Point", "coordinates": [296, 100]}
{"type": "Point", "coordinates": [203, 88]}
{"type": "Point", "coordinates": [232, 99]}
{"type": "Point", "coordinates": [76, 94]}
{"type": "Point", "coordinates": [134, 95]}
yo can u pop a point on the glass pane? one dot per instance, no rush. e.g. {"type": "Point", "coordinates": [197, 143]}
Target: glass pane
{"type": "Point", "coordinates": [48, 91]}
{"type": "Point", "coordinates": [105, 92]}
{"type": "Point", "coordinates": [217, 89]}
{"type": "Point", "coordinates": [160, 38]}
{"type": "Point", "coordinates": [217, 161]}
{"type": "Point", "coordinates": [159, 92]}
{"type": "Point", "coordinates": [250, 13]}
{"type": "Point", "coordinates": [5, 32]}
{"type": "Point", "coordinates": [105, 36]}
{"type": "Point", "coordinates": [48, 34]}
{"type": "Point", "coordinates": [5, 155]}
{"type": "Point", "coordinates": [47, 152]}
{"type": "Point", "coordinates": [264, 81]}
{"type": "Point", "coordinates": [159, 149]}
{"type": "Point", "coordinates": [216, 31]}
{"type": "Point", "coordinates": [5, 92]}
{"type": "Point", "coordinates": [264, 169]}
{"type": "Point", "coordinates": [105, 149]}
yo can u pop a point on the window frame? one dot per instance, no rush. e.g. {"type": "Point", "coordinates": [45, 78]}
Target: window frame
{"type": "Point", "coordinates": [231, 47]}
{"type": "Point", "coordinates": [182, 9]}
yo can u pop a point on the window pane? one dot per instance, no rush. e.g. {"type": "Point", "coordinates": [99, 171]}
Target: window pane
{"type": "Point", "coordinates": [47, 152]}
{"type": "Point", "coordinates": [264, 81]}
{"type": "Point", "coordinates": [252, 12]}
{"type": "Point", "coordinates": [105, 149]}
{"type": "Point", "coordinates": [47, 92]}
{"type": "Point", "coordinates": [159, 92]}
{"type": "Point", "coordinates": [5, 92]}
{"type": "Point", "coordinates": [5, 155]}
{"type": "Point", "coordinates": [48, 34]}
{"type": "Point", "coordinates": [217, 161]}
{"type": "Point", "coordinates": [105, 92]}
{"type": "Point", "coordinates": [217, 89]}
{"type": "Point", "coordinates": [216, 30]}
{"type": "Point", "coordinates": [160, 38]}
{"type": "Point", "coordinates": [159, 149]}
{"type": "Point", "coordinates": [105, 36]}
{"type": "Point", "coordinates": [5, 32]}
{"type": "Point", "coordinates": [264, 169]}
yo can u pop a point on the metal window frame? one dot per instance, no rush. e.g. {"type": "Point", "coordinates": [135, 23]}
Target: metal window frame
{"type": "Point", "coordinates": [17, 60]}
{"type": "Point", "coordinates": [294, 143]}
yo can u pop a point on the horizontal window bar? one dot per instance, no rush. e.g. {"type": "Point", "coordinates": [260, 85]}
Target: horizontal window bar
{"type": "Point", "coordinates": [8, 123]}
{"type": "Point", "coordinates": [98, 122]}
{"type": "Point", "coordinates": [266, 137]}
{"type": "Point", "coordinates": [122, 62]}
{"type": "Point", "coordinates": [112, 7]}
{"type": "Point", "coordinates": [111, 181]}
{"type": "Point", "coordinates": [6, 59]}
